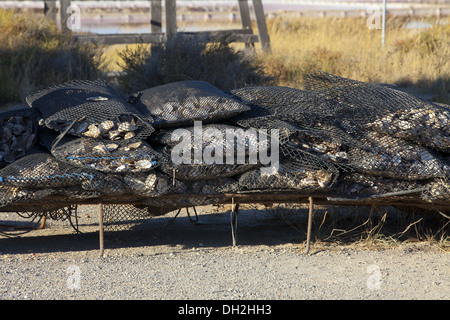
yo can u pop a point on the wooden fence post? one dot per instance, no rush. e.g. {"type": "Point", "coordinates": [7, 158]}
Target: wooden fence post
{"type": "Point", "coordinates": [263, 35]}
{"type": "Point", "coordinates": [245, 18]}
{"type": "Point", "coordinates": [63, 7]}
{"type": "Point", "coordinates": [50, 10]}
{"type": "Point", "coordinates": [171, 19]}
{"type": "Point", "coordinates": [156, 16]}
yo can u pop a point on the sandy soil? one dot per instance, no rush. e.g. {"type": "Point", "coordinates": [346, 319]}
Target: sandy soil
{"type": "Point", "coordinates": [163, 258]}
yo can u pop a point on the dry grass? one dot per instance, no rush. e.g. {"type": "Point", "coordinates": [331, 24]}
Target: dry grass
{"type": "Point", "coordinates": [34, 54]}
{"type": "Point", "coordinates": [366, 228]}
{"type": "Point", "coordinates": [346, 47]}
{"type": "Point", "coordinates": [415, 59]}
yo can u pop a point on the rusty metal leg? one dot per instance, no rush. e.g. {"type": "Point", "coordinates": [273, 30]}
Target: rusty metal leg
{"type": "Point", "coordinates": [234, 212]}
{"type": "Point", "coordinates": [100, 225]}
{"type": "Point", "coordinates": [310, 217]}
{"type": "Point", "coordinates": [42, 224]}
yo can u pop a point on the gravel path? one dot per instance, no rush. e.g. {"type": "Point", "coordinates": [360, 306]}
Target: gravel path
{"type": "Point", "coordinates": [183, 260]}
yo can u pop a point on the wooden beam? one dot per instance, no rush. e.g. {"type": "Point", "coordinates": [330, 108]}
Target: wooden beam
{"type": "Point", "coordinates": [155, 16]}
{"type": "Point", "coordinates": [171, 19]}
{"type": "Point", "coordinates": [245, 19]}
{"type": "Point", "coordinates": [50, 10]}
{"type": "Point", "coordinates": [63, 7]}
{"type": "Point", "coordinates": [109, 39]}
{"type": "Point", "coordinates": [261, 24]}
{"type": "Point", "coordinates": [245, 14]}
{"type": "Point", "coordinates": [239, 35]}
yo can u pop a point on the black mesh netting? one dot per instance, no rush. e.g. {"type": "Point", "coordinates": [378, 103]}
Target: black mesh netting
{"type": "Point", "coordinates": [339, 137]}
{"type": "Point", "coordinates": [133, 155]}
{"type": "Point", "coordinates": [396, 158]}
{"type": "Point", "coordinates": [180, 103]}
{"type": "Point", "coordinates": [18, 133]}
{"type": "Point", "coordinates": [153, 184]}
{"type": "Point", "coordinates": [359, 106]}
{"type": "Point", "coordinates": [207, 152]}
{"type": "Point", "coordinates": [90, 109]}
{"type": "Point", "coordinates": [290, 175]}
{"type": "Point", "coordinates": [13, 195]}
{"type": "Point", "coordinates": [39, 169]}
{"type": "Point", "coordinates": [337, 125]}
{"type": "Point", "coordinates": [119, 217]}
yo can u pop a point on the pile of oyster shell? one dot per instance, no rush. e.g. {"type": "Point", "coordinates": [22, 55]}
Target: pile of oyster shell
{"type": "Point", "coordinates": [121, 128]}
{"type": "Point", "coordinates": [17, 135]}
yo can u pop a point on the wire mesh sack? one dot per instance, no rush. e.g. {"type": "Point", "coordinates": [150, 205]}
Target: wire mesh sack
{"type": "Point", "coordinates": [438, 189]}
{"type": "Point", "coordinates": [10, 195]}
{"type": "Point", "coordinates": [90, 109]}
{"type": "Point", "coordinates": [133, 155]}
{"type": "Point", "coordinates": [18, 133]}
{"type": "Point", "coordinates": [289, 176]}
{"type": "Point", "coordinates": [39, 169]}
{"type": "Point", "coordinates": [213, 186]}
{"type": "Point", "coordinates": [207, 152]}
{"type": "Point", "coordinates": [220, 142]}
{"type": "Point", "coordinates": [180, 103]}
{"type": "Point", "coordinates": [119, 217]}
{"type": "Point", "coordinates": [396, 158]}
{"type": "Point", "coordinates": [428, 126]}
{"type": "Point", "coordinates": [383, 108]}
{"type": "Point", "coordinates": [153, 184]}
{"type": "Point", "coordinates": [106, 184]}
{"type": "Point", "coordinates": [278, 100]}
{"type": "Point", "coordinates": [354, 185]}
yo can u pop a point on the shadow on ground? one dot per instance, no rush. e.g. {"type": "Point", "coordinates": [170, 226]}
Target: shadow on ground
{"type": "Point", "coordinates": [212, 229]}
{"type": "Point", "coordinates": [209, 230]}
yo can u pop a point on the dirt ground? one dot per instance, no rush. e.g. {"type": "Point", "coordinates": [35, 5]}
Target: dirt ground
{"type": "Point", "coordinates": [192, 257]}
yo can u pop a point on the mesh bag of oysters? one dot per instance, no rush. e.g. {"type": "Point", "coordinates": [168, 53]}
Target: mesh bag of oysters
{"type": "Point", "coordinates": [203, 153]}
{"type": "Point", "coordinates": [339, 136]}
{"type": "Point", "coordinates": [38, 174]}
{"type": "Point", "coordinates": [90, 109]}
{"type": "Point", "coordinates": [342, 125]}
{"type": "Point", "coordinates": [181, 103]}
{"type": "Point", "coordinates": [93, 127]}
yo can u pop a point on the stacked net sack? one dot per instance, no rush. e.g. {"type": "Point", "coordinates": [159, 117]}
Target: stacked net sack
{"type": "Point", "coordinates": [384, 109]}
{"type": "Point", "coordinates": [289, 176]}
{"type": "Point", "coordinates": [207, 152]}
{"type": "Point", "coordinates": [401, 136]}
{"type": "Point", "coordinates": [300, 119]}
{"type": "Point", "coordinates": [91, 109]}
{"type": "Point", "coordinates": [37, 175]}
{"type": "Point", "coordinates": [18, 133]}
{"type": "Point", "coordinates": [95, 128]}
{"type": "Point", "coordinates": [181, 103]}
{"type": "Point", "coordinates": [339, 125]}
{"type": "Point", "coordinates": [134, 155]}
